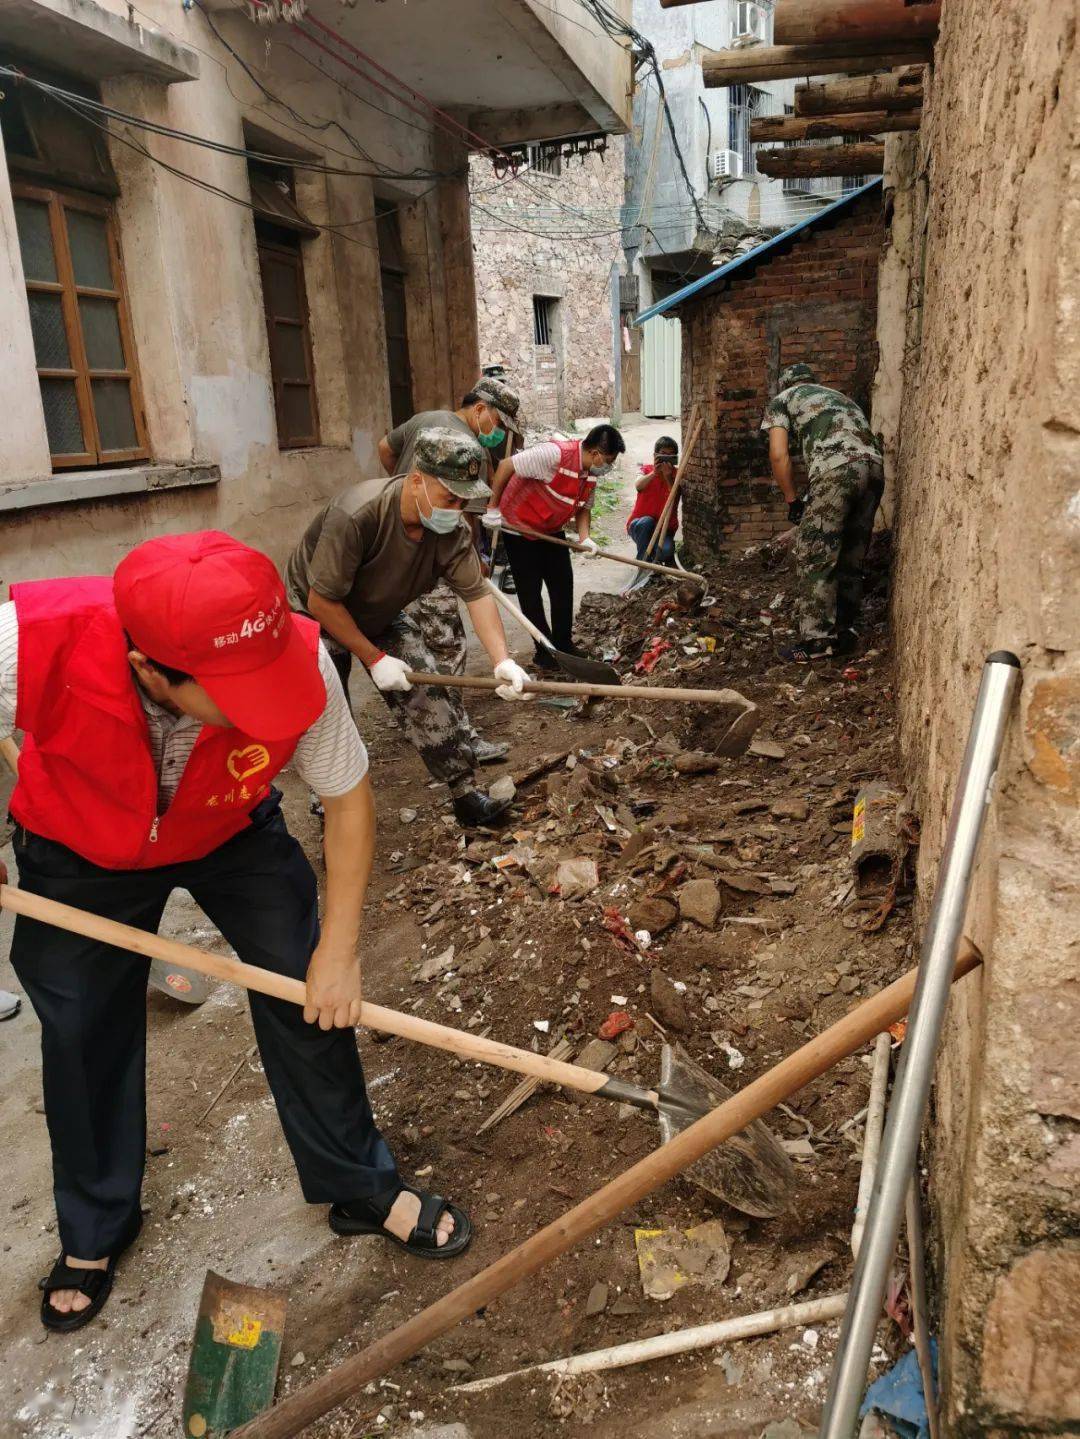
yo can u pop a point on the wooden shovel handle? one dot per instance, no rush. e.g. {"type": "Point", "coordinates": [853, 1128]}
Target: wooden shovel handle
{"type": "Point", "coordinates": [265, 981]}
{"type": "Point", "coordinates": [580, 687]}
{"type": "Point", "coordinates": [602, 554]}
{"type": "Point", "coordinates": [848, 1034]}
{"type": "Point", "coordinates": [660, 529]}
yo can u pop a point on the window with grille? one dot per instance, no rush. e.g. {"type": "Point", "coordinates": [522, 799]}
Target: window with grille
{"type": "Point", "coordinates": [79, 321]}
{"type": "Point", "coordinates": [545, 160]}
{"type": "Point", "coordinates": [745, 103]}
{"type": "Point", "coordinates": [543, 319]}
{"type": "Point", "coordinates": [280, 230]}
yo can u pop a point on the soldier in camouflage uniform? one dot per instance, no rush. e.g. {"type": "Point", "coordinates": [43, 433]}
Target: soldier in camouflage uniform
{"type": "Point", "coordinates": [372, 551]}
{"type": "Point", "coordinates": [843, 463]}
{"type": "Point", "coordinates": [488, 412]}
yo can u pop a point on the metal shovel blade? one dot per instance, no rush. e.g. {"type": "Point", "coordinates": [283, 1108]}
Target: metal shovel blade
{"type": "Point", "coordinates": [593, 672]}
{"type": "Point", "coordinates": [750, 1171]}
{"type": "Point", "coordinates": [235, 1356]}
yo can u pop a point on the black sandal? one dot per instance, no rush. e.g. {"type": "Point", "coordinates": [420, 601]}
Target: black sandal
{"type": "Point", "coordinates": [368, 1216]}
{"type": "Point", "coordinates": [96, 1284]}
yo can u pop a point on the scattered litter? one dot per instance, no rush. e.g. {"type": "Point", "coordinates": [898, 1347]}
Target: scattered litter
{"type": "Point", "coordinates": [735, 1058]}
{"type": "Point", "coordinates": [898, 1396]}
{"type": "Point", "coordinates": [668, 1259]}
{"type": "Point", "coordinates": [575, 878]}
{"type": "Point", "coordinates": [616, 1023]}
{"type": "Point", "coordinates": [543, 1025]}
{"type": "Point", "coordinates": [503, 788]}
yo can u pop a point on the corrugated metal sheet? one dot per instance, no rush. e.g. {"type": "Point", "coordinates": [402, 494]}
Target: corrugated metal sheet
{"type": "Point", "coordinates": [661, 367]}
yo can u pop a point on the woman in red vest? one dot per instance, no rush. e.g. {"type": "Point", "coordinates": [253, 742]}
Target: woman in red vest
{"type": "Point", "coordinates": [545, 488]}
{"type": "Point", "coordinates": [158, 706]}
{"type": "Point", "coordinates": [653, 491]}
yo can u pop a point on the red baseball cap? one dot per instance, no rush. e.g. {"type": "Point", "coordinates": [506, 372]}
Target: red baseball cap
{"type": "Point", "coordinates": [216, 609]}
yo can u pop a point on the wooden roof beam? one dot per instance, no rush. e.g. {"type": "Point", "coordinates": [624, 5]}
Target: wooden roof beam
{"type": "Point", "coordinates": [785, 62]}
{"type": "Point", "coordinates": [812, 162]}
{"type": "Point", "coordinates": [835, 22]}
{"type": "Point", "coordinates": [824, 127]}
{"type": "Point", "coordinates": [900, 90]}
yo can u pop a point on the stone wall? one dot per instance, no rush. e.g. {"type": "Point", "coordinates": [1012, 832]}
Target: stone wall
{"type": "Point", "coordinates": [815, 300]}
{"type": "Point", "coordinates": [574, 375]}
{"type": "Point", "coordinates": [983, 334]}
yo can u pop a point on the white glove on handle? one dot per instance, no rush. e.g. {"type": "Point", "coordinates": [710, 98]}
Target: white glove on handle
{"type": "Point", "coordinates": [492, 519]}
{"type": "Point", "coordinates": [589, 545]}
{"type": "Point", "coordinates": [513, 678]}
{"type": "Point", "coordinates": [390, 674]}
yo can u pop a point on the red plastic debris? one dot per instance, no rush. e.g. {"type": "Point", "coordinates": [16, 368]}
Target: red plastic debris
{"type": "Point", "coordinates": [899, 1030]}
{"type": "Point", "coordinates": [618, 928]}
{"type": "Point", "coordinates": [648, 661]}
{"type": "Point", "coordinates": [617, 1022]}
{"type": "Point", "coordinates": [851, 673]}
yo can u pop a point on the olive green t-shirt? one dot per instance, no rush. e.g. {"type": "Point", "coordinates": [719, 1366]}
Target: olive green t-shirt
{"type": "Point", "coordinates": [358, 553]}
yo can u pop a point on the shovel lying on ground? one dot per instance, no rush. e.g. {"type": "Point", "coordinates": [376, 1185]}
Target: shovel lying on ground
{"type": "Point", "coordinates": [602, 554]}
{"type": "Point", "coordinates": [753, 1174]}
{"type": "Point", "coordinates": [232, 1372]}
{"type": "Point", "coordinates": [735, 739]}
{"type": "Point", "coordinates": [577, 666]}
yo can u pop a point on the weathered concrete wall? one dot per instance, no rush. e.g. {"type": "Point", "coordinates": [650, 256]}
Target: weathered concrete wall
{"type": "Point", "coordinates": [988, 523]}
{"type": "Point", "coordinates": [575, 374]}
{"type": "Point", "coordinates": [197, 308]}
{"type": "Point", "coordinates": [815, 301]}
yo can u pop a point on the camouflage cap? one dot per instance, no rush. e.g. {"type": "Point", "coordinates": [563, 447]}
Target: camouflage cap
{"type": "Point", "coordinates": [798, 374]}
{"type": "Point", "coordinates": [503, 399]}
{"type": "Point", "coordinates": [454, 458]}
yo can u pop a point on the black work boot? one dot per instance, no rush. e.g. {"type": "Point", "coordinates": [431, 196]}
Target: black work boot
{"type": "Point", "coordinates": [473, 809]}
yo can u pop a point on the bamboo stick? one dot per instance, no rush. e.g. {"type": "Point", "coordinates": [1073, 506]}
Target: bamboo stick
{"type": "Point", "coordinates": [867, 1019]}
{"type": "Point", "coordinates": [875, 1123]}
{"type": "Point", "coordinates": [680, 1341]}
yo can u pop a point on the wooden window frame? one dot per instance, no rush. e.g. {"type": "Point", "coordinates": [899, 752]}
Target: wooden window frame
{"type": "Point", "coordinates": [57, 201]}
{"type": "Point", "coordinates": [292, 255]}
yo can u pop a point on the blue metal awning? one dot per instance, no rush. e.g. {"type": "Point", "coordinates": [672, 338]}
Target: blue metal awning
{"type": "Point", "coordinates": [760, 252]}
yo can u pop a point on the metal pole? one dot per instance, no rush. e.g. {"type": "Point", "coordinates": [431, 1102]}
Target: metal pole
{"type": "Point", "coordinates": [911, 1090]}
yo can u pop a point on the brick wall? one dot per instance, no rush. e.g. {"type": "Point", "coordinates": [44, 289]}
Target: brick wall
{"type": "Point", "coordinates": [817, 302]}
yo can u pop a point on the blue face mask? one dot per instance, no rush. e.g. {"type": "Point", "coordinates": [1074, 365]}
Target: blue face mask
{"type": "Point", "coordinates": [440, 521]}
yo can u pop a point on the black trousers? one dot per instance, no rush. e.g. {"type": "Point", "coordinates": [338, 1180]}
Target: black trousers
{"type": "Point", "coordinates": [260, 891]}
{"type": "Point", "coordinates": [534, 564]}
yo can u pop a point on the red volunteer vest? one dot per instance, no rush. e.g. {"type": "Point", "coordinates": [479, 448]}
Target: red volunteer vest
{"type": "Point", "coordinates": [86, 774]}
{"type": "Point", "coordinates": [547, 507]}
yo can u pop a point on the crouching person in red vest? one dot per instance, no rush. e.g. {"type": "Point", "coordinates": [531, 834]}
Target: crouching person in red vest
{"type": "Point", "coordinates": [158, 706]}
{"type": "Point", "coordinates": [544, 488]}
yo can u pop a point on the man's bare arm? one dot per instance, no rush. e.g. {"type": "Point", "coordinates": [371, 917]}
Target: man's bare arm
{"type": "Point", "coordinates": [498, 484]}
{"type": "Point", "coordinates": [335, 619]}
{"type": "Point", "coordinates": [780, 460]}
{"type": "Point", "coordinates": [333, 977]}
{"type": "Point", "coordinates": [484, 614]}
{"type": "Point", "coordinates": [387, 456]}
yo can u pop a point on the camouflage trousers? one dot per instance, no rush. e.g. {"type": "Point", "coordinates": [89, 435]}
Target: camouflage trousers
{"type": "Point", "coordinates": [830, 546]}
{"type": "Point", "coordinates": [439, 617]}
{"type": "Point", "coordinates": [433, 720]}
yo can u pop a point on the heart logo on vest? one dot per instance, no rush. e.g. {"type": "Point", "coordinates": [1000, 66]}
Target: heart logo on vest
{"type": "Point", "coordinates": [243, 763]}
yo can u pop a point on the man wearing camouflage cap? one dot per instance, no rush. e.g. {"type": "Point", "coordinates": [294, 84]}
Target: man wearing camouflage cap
{"type": "Point", "coordinates": [372, 551]}
{"type": "Point", "coordinates": [843, 462]}
{"type": "Point", "coordinates": [488, 412]}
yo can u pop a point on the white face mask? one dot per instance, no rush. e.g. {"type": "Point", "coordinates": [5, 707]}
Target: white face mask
{"type": "Point", "coordinates": [440, 521]}
{"type": "Point", "coordinates": [599, 470]}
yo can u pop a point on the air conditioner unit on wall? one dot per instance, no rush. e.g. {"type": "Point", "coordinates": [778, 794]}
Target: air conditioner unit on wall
{"type": "Point", "coordinates": [726, 165]}
{"type": "Point", "coordinates": [748, 23]}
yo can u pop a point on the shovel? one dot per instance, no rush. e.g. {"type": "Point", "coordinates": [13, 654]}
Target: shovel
{"type": "Point", "coordinates": [576, 666]}
{"type": "Point", "coordinates": [602, 554]}
{"type": "Point", "coordinates": [755, 1175]}
{"type": "Point", "coordinates": [234, 1361]}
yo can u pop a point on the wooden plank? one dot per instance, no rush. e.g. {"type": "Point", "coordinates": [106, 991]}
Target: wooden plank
{"type": "Point", "coordinates": [819, 160]}
{"type": "Point", "coordinates": [824, 127]}
{"type": "Point", "coordinates": [899, 90]}
{"type": "Point", "coordinates": [835, 22]}
{"type": "Point", "coordinates": [785, 62]}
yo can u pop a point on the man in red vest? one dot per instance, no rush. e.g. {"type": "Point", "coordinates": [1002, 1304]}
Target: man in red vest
{"type": "Point", "coordinates": [158, 706]}
{"type": "Point", "coordinates": [544, 488]}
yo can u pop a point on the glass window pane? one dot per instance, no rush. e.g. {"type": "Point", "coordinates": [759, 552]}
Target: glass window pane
{"type": "Point", "coordinates": [290, 354]}
{"type": "Point", "coordinates": [62, 419]}
{"type": "Point", "coordinates": [296, 412]}
{"type": "Point", "coordinates": [101, 333]}
{"type": "Point", "coordinates": [282, 290]}
{"type": "Point", "coordinates": [115, 421]}
{"type": "Point", "coordinates": [35, 240]}
{"type": "Point", "coordinates": [50, 333]}
{"type": "Point", "coordinates": [89, 241]}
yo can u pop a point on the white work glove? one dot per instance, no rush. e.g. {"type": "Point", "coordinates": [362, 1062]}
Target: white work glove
{"type": "Point", "coordinates": [513, 678]}
{"type": "Point", "coordinates": [492, 519]}
{"type": "Point", "coordinates": [390, 674]}
{"type": "Point", "coordinates": [589, 545]}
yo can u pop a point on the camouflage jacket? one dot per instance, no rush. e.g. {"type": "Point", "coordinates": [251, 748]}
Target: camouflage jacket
{"type": "Point", "coordinates": [830, 429]}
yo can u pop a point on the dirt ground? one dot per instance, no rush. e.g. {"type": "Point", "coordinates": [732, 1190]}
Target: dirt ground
{"type": "Point", "coordinates": [791, 949]}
